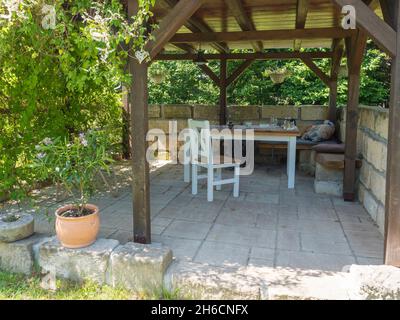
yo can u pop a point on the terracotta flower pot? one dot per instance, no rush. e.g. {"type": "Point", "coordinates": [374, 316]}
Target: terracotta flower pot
{"type": "Point", "coordinates": [77, 232]}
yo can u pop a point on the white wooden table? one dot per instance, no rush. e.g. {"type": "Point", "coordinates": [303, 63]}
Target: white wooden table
{"type": "Point", "coordinates": [265, 135]}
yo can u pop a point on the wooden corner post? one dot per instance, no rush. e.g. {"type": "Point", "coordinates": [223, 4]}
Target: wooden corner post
{"type": "Point", "coordinates": [140, 166]}
{"type": "Point", "coordinates": [355, 47]}
{"type": "Point", "coordinates": [392, 219]}
{"type": "Point", "coordinates": [139, 127]}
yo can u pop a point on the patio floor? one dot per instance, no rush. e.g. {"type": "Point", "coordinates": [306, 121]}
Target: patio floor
{"type": "Point", "coordinates": [268, 225]}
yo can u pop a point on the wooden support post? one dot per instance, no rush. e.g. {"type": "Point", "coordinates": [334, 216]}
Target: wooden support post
{"type": "Point", "coordinates": [338, 50]}
{"type": "Point", "coordinates": [222, 92]}
{"type": "Point", "coordinates": [355, 48]}
{"type": "Point", "coordinates": [392, 221]}
{"type": "Point", "coordinates": [140, 166]}
{"type": "Point", "coordinates": [126, 136]}
{"type": "Point", "coordinates": [333, 92]}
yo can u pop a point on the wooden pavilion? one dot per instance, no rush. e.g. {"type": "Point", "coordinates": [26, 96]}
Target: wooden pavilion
{"type": "Point", "coordinates": [223, 26]}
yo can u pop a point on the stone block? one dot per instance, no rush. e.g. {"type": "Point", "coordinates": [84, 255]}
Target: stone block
{"type": "Point", "coordinates": [177, 111]}
{"type": "Point", "coordinates": [378, 185]}
{"type": "Point", "coordinates": [376, 153]}
{"type": "Point", "coordinates": [376, 282]}
{"type": "Point", "coordinates": [334, 188]}
{"type": "Point", "coordinates": [367, 119]}
{"type": "Point", "coordinates": [16, 230]}
{"type": "Point", "coordinates": [139, 267]}
{"type": "Point", "coordinates": [19, 256]}
{"type": "Point", "coordinates": [280, 112]}
{"type": "Point", "coordinates": [370, 204]}
{"type": "Point", "coordinates": [202, 112]}
{"type": "Point", "coordinates": [201, 281]}
{"type": "Point", "coordinates": [326, 174]}
{"type": "Point", "coordinates": [163, 124]}
{"type": "Point", "coordinates": [382, 123]}
{"type": "Point", "coordinates": [380, 218]}
{"type": "Point", "coordinates": [89, 263]}
{"type": "Point", "coordinates": [154, 111]}
{"type": "Point", "coordinates": [313, 112]}
{"type": "Point", "coordinates": [239, 114]}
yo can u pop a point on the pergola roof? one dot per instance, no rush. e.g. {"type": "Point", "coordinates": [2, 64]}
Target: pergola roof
{"type": "Point", "coordinates": [234, 16]}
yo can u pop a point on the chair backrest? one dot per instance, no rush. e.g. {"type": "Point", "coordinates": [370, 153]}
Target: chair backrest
{"type": "Point", "coordinates": [200, 141]}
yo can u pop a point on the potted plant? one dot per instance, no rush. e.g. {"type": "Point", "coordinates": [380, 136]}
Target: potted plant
{"type": "Point", "coordinates": [74, 163]}
{"type": "Point", "coordinates": [277, 75]}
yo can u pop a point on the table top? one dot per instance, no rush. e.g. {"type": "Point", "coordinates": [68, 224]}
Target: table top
{"type": "Point", "coordinates": [260, 129]}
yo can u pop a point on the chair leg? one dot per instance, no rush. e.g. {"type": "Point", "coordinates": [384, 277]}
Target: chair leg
{"type": "Point", "coordinates": [236, 183]}
{"type": "Point", "coordinates": [219, 178]}
{"type": "Point", "coordinates": [210, 184]}
{"type": "Point", "coordinates": [194, 179]}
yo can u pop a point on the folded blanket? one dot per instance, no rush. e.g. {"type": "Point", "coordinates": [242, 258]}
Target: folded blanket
{"type": "Point", "coordinates": [320, 132]}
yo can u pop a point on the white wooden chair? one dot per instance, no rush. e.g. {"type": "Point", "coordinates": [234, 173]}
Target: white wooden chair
{"type": "Point", "coordinates": [203, 156]}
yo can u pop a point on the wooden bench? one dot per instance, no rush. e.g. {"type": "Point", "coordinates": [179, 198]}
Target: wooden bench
{"type": "Point", "coordinates": [334, 161]}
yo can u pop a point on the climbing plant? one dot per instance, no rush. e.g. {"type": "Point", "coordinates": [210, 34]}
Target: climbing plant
{"type": "Point", "coordinates": [61, 72]}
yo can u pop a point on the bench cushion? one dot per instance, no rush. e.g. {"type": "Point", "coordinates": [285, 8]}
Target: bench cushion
{"type": "Point", "coordinates": [329, 148]}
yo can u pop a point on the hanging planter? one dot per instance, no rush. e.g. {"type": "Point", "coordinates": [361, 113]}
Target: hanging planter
{"type": "Point", "coordinates": [278, 75]}
{"type": "Point", "coordinates": [158, 74]}
{"type": "Point", "coordinates": [158, 78]}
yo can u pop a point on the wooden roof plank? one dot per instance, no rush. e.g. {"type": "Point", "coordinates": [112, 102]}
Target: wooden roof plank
{"type": "Point", "coordinates": [301, 17]}
{"type": "Point", "coordinates": [243, 20]}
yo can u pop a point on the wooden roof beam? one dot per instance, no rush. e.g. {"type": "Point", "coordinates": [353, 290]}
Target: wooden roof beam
{"type": "Point", "coordinates": [243, 20]}
{"type": "Point", "coordinates": [170, 24]}
{"type": "Point", "coordinates": [316, 33]}
{"type": "Point", "coordinates": [197, 25]}
{"type": "Point", "coordinates": [383, 34]}
{"type": "Point", "coordinates": [248, 56]}
{"type": "Point", "coordinates": [301, 17]}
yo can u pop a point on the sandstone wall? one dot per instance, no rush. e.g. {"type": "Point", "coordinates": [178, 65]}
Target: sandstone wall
{"type": "Point", "coordinates": [372, 138]}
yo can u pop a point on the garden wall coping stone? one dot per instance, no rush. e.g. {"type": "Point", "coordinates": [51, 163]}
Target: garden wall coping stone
{"type": "Point", "coordinates": [89, 263]}
{"type": "Point", "coordinates": [19, 256]}
{"type": "Point", "coordinates": [139, 267]}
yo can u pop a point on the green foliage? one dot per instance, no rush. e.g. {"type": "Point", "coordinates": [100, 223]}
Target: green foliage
{"type": "Point", "coordinates": [74, 163]}
{"type": "Point", "coordinates": [187, 84]}
{"type": "Point", "coordinates": [60, 81]}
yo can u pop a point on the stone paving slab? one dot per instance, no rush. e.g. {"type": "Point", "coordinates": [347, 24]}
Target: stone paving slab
{"type": "Point", "coordinates": [299, 227]}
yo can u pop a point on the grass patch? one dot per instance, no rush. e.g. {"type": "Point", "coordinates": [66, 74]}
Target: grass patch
{"type": "Point", "coordinates": [20, 287]}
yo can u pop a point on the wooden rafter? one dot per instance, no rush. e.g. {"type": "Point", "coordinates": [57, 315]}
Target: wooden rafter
{"type": "Point", "coordinates": [247, 56]}
{"type": "Point", "coordinates": [320, 74]}
{"type": "Point", "coordinates": [388, 14]}
{"type": "Point", "coordinates": [301, 17]}
{"type": "Point", "coordinates": [317, 33]}
{"type": "Point", "coordinates": [243, 20]}
{"type": "Point", "coordinates": [197, 25]}
{"type": "Point", "coordinates": [238, 72]}
{"type": "Point", "coordinates": [210, 73]}
{"type": "Point", "coordinates": [383, 35]}
{"type": "Point", "coordinates": [170, 24]}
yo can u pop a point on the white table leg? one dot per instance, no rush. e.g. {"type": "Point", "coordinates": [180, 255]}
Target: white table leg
{"type": "Point", "coordinates": [291, 162]}
{"type": "Point", "coordinates": [186, 162]}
